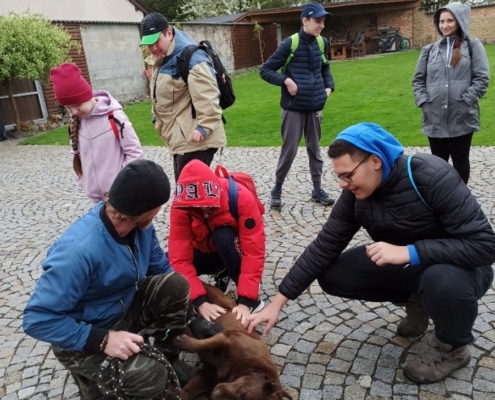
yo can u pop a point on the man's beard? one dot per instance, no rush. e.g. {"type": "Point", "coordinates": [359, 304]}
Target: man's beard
{"type": "Point", "coordinates": [144, 224]}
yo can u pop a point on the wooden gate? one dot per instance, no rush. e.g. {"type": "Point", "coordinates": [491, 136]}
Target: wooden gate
{"type": "Point", "coordinates": [30, 102]}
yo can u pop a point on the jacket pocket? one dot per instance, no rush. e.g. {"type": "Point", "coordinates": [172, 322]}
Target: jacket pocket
{"type": "Point", "coordinates": [427, 109]}
{"type": "Point", "coordinates": [462, 110]}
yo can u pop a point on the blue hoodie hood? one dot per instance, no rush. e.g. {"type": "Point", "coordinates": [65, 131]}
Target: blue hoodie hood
{"type": "Point", "coordinates": [373, 139]}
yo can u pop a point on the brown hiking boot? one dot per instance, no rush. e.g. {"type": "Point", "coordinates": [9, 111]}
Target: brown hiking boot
{"type": "Point", "coordinates": [416, 320]}
{"type": "Point", "coordinates": [437, 362]}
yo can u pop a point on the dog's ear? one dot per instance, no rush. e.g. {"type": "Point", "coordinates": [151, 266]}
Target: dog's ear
{"type": "Point", "coordinates": [269, 387]}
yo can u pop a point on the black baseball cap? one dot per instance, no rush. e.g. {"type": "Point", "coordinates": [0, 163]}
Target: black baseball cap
{"type": "Point", "coordinates": [151, 27]}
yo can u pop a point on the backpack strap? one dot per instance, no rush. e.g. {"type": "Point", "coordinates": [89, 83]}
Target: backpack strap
{"type": "Point", "coordinates": [233, 192]}
{"type": "Point", "coordinates": [233, 198]}
{"type": "Point", "coordinates": [470, 47]}
{"type": "Point", "coordinates": [321, 45]}
{"type": "Point", "coordinates": [183, 64]}
{"type": "Point", "coordinates": [409, 172]}
{"type": "Point", "coordinates": [293, 47]}
{"type": "Point", "coordinates": [114, 121]}
{"type": "Point", "coordinates": [185, 58]}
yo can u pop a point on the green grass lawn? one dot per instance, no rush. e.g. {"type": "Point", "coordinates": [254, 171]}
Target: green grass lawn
{"type": "Point", "coordinates": [376, 89]}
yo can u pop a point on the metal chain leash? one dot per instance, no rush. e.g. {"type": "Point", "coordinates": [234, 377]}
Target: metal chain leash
{"type": "Point", "coordinates": [111, 375]}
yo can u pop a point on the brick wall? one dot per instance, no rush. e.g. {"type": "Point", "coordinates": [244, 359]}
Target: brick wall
{"type": "Point", "coordinates": [416, 24]}
{"type": "Point", "coordinates": [482, 26]}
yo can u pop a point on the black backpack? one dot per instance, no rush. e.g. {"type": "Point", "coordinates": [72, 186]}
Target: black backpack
{"type": "Point", "coordinates": [227, 96]}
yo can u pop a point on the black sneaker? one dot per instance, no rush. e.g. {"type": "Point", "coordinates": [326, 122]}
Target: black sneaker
{"type": "Point", "coordinates": [257, 307]}
{"type": "Point", "coordinates": [223, 281]}
{"type": "Point", "coordinates": [320, 196]}
{"type": "Point", "coordinates": [200, 327]}
{"type": "Point", "coordinates": [183, 370]}
{"type": "Point", "coordinates": [276, 197]}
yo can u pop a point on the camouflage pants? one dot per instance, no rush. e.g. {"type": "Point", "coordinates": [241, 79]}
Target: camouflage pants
{"type": "Point", "coordinates": [161, 302]}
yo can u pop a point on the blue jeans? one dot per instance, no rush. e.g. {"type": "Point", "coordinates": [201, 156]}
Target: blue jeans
{"type": "Point", "coordinates": [450, 293]}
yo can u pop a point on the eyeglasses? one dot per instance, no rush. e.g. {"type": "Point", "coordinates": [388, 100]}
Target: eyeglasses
{"type": "Point", "coordinates": [348, 177]}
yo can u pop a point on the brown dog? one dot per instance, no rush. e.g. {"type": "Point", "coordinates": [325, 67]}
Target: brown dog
{"type": "Point", "coordinates": [237, 365]}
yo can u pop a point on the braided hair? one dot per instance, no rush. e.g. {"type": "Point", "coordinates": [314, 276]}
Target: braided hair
{"type": "Point", "coordinates": [456, 53]}
{"type": "Point", "coordinates": [74, 124]}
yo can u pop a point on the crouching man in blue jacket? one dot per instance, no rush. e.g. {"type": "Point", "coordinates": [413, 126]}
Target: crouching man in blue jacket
{"type": "Point", "coordinates": [107, 279]}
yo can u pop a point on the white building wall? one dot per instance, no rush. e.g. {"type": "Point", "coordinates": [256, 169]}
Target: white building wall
{"type": "Point", "coordinates": [114, 59]}
{"type": "Point", "coordinates": [76, 10]}
{"type": "Point", "coordinates": [220, 38]}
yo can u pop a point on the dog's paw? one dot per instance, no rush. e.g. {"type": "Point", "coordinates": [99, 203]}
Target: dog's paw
{"type": "Point", "coordinates": [184, 343]}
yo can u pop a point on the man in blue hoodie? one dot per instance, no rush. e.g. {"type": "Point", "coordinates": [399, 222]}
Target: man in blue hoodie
{"type": "Point", "coordinates": [432, 246]}
{"type": "Point", "coordinates": [306, 83]}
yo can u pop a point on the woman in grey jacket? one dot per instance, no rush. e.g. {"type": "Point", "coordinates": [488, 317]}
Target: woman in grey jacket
{"type": "Point", "coordinates": [451, 76]}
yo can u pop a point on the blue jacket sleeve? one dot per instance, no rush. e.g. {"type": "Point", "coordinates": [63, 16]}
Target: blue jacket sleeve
{"type": "Point", "coordinates": [46, 314]}
{"type": "Point", "coordinates": [269, 70]}
{"type": "Point", "coordinates": [413, 255]}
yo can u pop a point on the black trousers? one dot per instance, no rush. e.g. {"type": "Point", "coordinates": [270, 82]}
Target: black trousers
{"type": "Point", "coordinates": [180, 160]}
{"type": "Point", "coordinates": [227, 256]}
{"type": "Point", "coordinates": [449, 293]}
{"type": "Point", "coordinates": [457, 148]}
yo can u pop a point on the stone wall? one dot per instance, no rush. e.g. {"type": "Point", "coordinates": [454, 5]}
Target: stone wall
{"type": "Point", "coordinates": [219, 36]}
{"type": "Point", "coordinates": [115, 60]}
{"type": "Point", "coordinates": [71, 10]}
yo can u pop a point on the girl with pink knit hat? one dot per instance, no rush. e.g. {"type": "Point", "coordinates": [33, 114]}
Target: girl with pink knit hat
{"type": "Point", "coordinates": [102, 138]}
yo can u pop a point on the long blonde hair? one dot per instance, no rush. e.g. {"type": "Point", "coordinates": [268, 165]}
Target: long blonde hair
{"type": "Point", "coordinates": [74, 124]}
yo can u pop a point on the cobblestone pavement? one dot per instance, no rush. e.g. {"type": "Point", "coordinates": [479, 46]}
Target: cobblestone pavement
{"type": "Point", "coordinates": [326, 347]}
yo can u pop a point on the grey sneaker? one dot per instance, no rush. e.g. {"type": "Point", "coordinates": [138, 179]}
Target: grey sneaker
{"type": "Point", "coordinates": [320, 196]}
{"type": "Point", "coordinates": [416, 321]}
{"type": "Point", "coordinates": [276, 197]}
{"type": "Point", "coordinates": [437, 362]}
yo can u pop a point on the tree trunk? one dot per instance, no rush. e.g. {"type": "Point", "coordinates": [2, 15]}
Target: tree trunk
{"type": "Point", "coordinates": [13, 103]}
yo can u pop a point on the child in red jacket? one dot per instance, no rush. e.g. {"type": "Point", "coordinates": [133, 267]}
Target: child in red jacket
{"type": "Point", "coordinates": [206, 239]}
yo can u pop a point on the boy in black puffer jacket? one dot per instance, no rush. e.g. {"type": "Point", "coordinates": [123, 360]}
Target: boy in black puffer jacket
{"type": "Point", "coordinates": [306, 84]}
